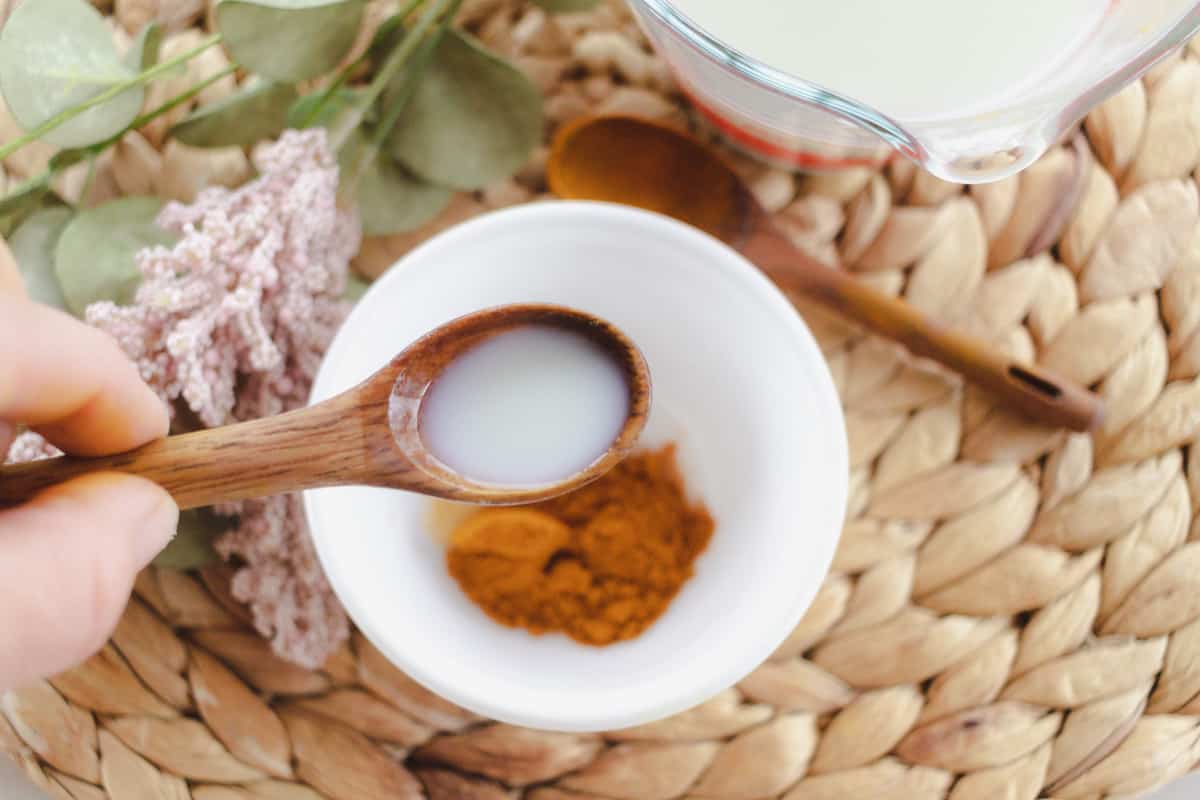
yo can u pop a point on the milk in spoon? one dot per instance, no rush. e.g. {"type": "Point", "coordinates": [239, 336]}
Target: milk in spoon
{"type": "Point", "coordinates": [529, 406]}
{"type": "Point", "coordinates": [910, 59]}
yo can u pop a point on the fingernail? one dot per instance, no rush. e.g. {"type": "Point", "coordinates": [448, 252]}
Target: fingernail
{"type": "Point", "coordinates": [155, 423]}
{"type": "Point", "coordinates": [156, 530]}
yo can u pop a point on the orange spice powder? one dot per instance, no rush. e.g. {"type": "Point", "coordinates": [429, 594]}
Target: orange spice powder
{"type": "Point", "coordinates": [600, 564]}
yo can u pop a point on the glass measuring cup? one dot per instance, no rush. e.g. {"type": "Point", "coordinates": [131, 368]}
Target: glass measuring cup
{"type": "Point", "coordinates": [798, 124]}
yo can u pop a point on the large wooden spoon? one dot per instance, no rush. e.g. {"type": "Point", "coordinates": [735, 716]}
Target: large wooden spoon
{"type": "Point", "coordinates": [369, 435]}
{"type": "Point", "coordinates": [637, 162]}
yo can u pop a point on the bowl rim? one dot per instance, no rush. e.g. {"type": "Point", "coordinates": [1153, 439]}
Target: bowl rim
{"type": "Point", "coordinates": [537, 216]}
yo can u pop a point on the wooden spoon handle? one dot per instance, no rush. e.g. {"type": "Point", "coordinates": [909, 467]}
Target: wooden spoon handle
{"type": "Point", "coordinates": [303, 449]}
{"type": "Point", "coordinates": [1041, 395]}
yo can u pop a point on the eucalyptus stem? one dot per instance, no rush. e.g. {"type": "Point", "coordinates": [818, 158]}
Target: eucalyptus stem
{"type": "Point", "coordinates": [150, 115]}
{"type": "Point", "coordinates": [158, 111]}
{"type": "Point", "coordinates": [412, 6]}
{"type": "Point", "coordinates": [329, 91]}
{"type": "Point", "coordinates": [95, 149]}
{"type": "Point", "coordinates": [343, 75]}
{"type": "Point", "coordinates": [142, 78]}
{"type": "Point", "coordinates": [420, 58]}
{"type": "Point", "coordinates": [419, 64]}
{"type": "Point", "coordinates": [341, 79]}
{"type": "Point", "coordinates": [391, 67]}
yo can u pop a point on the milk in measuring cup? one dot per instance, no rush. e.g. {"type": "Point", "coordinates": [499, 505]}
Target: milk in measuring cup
{"type": "Point", "coordinates": [910, 59]}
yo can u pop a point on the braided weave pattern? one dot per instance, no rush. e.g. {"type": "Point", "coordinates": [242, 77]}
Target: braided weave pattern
{"type": "Point", "coordinates": [1013, 612]}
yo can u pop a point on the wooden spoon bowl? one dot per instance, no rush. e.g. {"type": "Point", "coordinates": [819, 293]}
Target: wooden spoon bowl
{"type": "Point", "coordinates": [368, 435]}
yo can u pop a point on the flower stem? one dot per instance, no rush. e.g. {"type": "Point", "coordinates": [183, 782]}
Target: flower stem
{"type": "Point", "coordinates": [140, 79]}
{"type": "Point", "coordinates": [175, 101]}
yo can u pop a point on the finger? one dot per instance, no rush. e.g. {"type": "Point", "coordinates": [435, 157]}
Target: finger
{"type": "Point", "coordinates": [10, 276]}
{"type": "Point", "coordinates": [72, 383]}
{"type": "Point", "coordinates": [8, 432]}
{"type": "Point", "coordinates": [67, 563]}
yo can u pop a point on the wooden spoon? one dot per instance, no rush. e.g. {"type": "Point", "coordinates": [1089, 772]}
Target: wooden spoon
{"type": "Point", "coordinates": [637, 162]}
{"type": "Point", "coordinates": [368, 435]}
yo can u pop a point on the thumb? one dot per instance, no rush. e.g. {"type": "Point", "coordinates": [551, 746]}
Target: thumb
{"type": "Point", "coordinates": [68, 560]}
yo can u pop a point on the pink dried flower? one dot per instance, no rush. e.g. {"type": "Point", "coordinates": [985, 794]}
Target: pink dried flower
{"type": "Point", "coordinates": [29, 446]}
{"type": "Point", "coordinates": [233, 320]}
{"type": "Point", "coordinates": [291, 598]}
{"type": "Point", "coordinates": [251, 292]}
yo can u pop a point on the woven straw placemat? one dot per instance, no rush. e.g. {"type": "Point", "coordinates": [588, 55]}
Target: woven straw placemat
{"type": "Point", "coordinates": [1013, 613]}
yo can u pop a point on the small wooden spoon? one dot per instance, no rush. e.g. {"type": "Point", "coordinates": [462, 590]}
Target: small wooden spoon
{"type": "Point", "coordinates": [368, 435]}
{"type": "Point", "coordinates": [637, 162]}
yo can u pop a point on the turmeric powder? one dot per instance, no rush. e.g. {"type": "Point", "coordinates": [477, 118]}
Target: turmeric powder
{"type": "Point", "coordinates": [600, 564]}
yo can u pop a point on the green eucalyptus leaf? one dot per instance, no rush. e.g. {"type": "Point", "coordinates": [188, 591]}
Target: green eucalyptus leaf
{"type": "Point", "coordinates": [255, 112]}
{"type": "Point", "coordinates": [307, 111]}
{"type": "Point", "coordinates": [56, 54]}
{"type": "Point", "coordinates": [289, 40]}
{"type": "Point", "coordinates": [327, 110]}
{"type": "Point", "coordinates": [566, 6]}
{"type": "Point", "coordinates": [33, 245]}
{"type": "Point", "coordinates": [143, 53]}
{"type": "Point", "coordinates": [311, 111]}
{"type": "Point", "coordinates": [389, 199]}
{"type": "Point", "coordinates": [473, 119]}
{"type": "Point", "coordinates": [94, 258]}
{"type": "Point", "coordinates": [192, 546]}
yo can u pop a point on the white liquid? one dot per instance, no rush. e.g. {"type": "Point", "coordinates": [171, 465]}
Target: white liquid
{"type": "Point", "coordinates": [911, 59]}
{"type": "Point", "coordinates": [531, 406]}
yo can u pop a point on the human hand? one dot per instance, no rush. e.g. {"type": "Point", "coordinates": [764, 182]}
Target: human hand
{"type": "Point", "coordinates": [68, 558]}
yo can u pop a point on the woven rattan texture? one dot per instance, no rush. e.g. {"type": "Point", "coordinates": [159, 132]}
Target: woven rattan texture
{"type": "Point", "coordinates": [1013, 612]}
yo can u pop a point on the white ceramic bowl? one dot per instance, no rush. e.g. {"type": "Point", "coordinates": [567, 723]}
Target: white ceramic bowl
{"type": "Point", "coordinates": [738, 381]}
